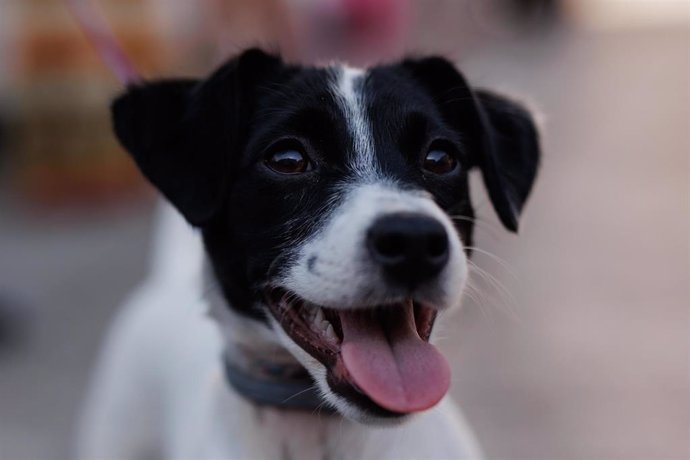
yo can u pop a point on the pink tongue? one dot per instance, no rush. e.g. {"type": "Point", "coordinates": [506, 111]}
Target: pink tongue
{"type": "Point", "coordinates": [393, 365]}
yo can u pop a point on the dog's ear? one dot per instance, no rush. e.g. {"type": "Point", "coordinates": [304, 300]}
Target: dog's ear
{"type": "Point", "coordinates": [182, 133]}
{"type": "Point", "coordinates": [503, 138]}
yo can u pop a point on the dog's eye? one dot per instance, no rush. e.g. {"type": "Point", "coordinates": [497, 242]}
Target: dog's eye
{"type": "Point", "coordinates": [288, 162]}
{"type": "Point", "coordinates": [439, 161]}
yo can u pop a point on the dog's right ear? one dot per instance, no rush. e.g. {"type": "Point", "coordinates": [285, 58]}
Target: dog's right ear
{"type": "Point", "coordinates": [501, 133]}
{"type": "Point", "coordinates": [182, 134]}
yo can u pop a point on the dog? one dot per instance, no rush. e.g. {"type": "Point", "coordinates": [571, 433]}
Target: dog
{"type": "Point", "coordinates": [328, 228]}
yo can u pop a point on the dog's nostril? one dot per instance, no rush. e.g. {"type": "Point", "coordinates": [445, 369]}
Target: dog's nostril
{"type": "Point", "coordinates": [390, 245]}
{"type": "Point", "coordinates": [409, 247]}
{"type": "Point", "coordinates": [437, 245]}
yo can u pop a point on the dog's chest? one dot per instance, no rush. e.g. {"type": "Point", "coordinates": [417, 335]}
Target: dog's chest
{"type": "Point", "coordinates": [233, 428]}
{"type": "Point", "coordinates": [238, 429]}
{"type": "Point", "coordinates": [208, 420]}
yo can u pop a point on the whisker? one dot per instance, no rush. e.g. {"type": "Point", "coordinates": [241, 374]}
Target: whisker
{"type": "Point", "coordinates": [502, 262]}
{"type": "Point", "coordinates": [317, 409]}
{"type": "Point", "coordinates": [492, 229]}
{"type": "Point", "coordinates": [311, 387]}
{"type": "Point", "coordinates": [492, 279]}
{"type": "Point", "coordinates": [507, 299]}
{"type": "Point", "coordinates": [476, 296]}
{"type": "Point", "coordinates": [273, 264]}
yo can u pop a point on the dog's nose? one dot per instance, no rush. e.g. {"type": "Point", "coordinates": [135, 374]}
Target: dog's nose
{"type": "Point", "coordinates": [411, 248]}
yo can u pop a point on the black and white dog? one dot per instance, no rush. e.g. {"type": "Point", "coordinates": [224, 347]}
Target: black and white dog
{"type": "Point", "coordinates": [334, 210]}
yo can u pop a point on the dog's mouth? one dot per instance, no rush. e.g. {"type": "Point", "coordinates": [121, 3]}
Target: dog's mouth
{"type": "Point", "coordinates": [379, 358]}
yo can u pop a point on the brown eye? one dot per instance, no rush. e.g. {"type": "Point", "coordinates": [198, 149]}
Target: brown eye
{"type": "Point", "coordinates": [288, 162]}
{"type": "Point", "coordinates": [439, 162]}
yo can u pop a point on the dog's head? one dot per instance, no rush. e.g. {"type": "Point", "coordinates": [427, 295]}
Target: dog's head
{"type": "Point", "coordinates": [334, 205]}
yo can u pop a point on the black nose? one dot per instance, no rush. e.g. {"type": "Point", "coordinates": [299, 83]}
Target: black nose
{"type": "Point", "coordinates": [411, 248]}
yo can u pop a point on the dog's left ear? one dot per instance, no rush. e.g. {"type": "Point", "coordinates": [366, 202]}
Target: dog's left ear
{"type": "Point", "coordinates": [185, 134]}
{"type": "Point", "coordinates": [503, 138]}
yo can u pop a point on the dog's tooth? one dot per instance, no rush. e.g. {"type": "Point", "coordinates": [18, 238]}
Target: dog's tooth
{"type": "Point", "coordinates": [318, 319]}
{"type": "Point", "coordinates": [330, 333]}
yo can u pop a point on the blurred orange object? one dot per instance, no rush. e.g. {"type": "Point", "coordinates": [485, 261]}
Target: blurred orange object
{"type": "Point", "coordinates": [65, 150]}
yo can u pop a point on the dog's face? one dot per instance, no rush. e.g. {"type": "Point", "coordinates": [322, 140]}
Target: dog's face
{"type": "Point", "coordinates": [334, 205]}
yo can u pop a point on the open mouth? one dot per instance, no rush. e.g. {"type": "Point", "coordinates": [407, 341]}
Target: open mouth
{"type": "Point", "coordinates": [379, 358]}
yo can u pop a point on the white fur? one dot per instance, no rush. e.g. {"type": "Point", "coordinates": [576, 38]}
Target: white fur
{"type": "Point", "coordinates": [159, 390]}
{"type": "Point", "coordinates": [347, 90]}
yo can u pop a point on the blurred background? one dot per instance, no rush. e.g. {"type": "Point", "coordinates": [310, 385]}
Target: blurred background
{"type": "Point", "coordinates": [578, 345]}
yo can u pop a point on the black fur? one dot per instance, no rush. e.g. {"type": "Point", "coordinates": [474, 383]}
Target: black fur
{"type": "Point", "coordinates": [503, 139]}
{"type": "Point", "coordinates": [181, 133]}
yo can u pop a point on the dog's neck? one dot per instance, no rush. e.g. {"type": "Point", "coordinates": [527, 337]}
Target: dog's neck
{"type": "Point", "coordinates": [256, 365]}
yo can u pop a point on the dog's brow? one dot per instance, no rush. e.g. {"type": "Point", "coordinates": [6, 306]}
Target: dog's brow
{"type": "Point", "coordinates": [347, 90]}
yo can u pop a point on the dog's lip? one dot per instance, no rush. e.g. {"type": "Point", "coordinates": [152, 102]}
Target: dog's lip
{"type": "Point", "coordinates": [292, 313]}
{"type": "Point", "coordinates": [425, 315]}
{"type": "Point", "coordinates": [289, 310]}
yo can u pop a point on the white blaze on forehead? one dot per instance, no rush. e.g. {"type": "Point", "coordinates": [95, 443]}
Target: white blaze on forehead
{"type": "Point", "coordinates": [347, 90]}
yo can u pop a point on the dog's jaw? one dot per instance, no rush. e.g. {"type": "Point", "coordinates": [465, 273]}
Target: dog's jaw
{"type": "Point", "coordinates": [340, 257]}
{"type": "Point", "coordinates": [247, 340]}
{"type": "Point", "coordinates": [319, 373]}
{"type": "Point", "coordinates": [333, 270]}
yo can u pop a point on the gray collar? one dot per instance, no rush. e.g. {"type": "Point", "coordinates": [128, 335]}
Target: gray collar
{"type": "Point", "coordinates": [277, 385]}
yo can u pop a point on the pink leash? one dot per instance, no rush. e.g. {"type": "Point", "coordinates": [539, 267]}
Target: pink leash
{"type": "Point", "coordinates": [102, 38]}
